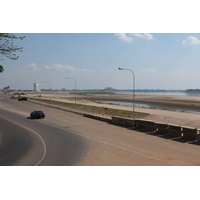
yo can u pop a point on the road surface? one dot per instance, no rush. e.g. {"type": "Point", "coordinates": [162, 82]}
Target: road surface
{"type": "Point", "coordinates": [64, 138]}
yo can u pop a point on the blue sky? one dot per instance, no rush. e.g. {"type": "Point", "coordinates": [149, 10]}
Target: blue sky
{"type": "Point", "coordinates": [159, 61]}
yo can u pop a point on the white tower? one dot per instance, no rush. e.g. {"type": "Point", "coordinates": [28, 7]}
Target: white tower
{"type": "Point", "coordinates": [36, 87]}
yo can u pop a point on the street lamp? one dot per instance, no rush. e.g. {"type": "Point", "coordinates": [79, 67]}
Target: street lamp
{"type": "Point", "coordinates": [75, 88]}
{"type": "Point", "coordinates": [50, 87]}
{"type": "Point", "coordinates": [133, 89]}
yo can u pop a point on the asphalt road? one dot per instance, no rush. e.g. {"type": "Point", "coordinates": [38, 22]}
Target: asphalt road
{"type": "Point", "coordinates": [28, 142]}
{"type": "Point", "coordinates": [64, 138]}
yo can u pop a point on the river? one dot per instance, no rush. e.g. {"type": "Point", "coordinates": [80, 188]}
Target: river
{"type": "Point", "coordinates": [142, 105]}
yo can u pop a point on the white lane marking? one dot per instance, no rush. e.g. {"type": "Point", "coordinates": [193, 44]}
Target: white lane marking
{"type": "Point", "coordinates": [37, 135]}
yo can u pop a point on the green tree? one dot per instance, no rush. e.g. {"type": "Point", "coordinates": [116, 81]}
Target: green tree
{"type": "Point", "coordinates": [7, 46]}
{"type": "Point", "coordinates": [1, 69]}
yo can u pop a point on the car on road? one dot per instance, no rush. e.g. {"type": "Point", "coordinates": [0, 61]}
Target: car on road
{"type": "Point", "coordinates": [22, 99]}
{"type": "Point", "coordinates": [37, 114]}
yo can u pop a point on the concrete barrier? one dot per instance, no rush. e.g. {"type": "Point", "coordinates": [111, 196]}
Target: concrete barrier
{"type": "Point", "coordinates": [98, 117]}
{"type": "Point", "coordinates": [130, 122]}
{"type": "Point", "coordinates": [119, 120]}
{"type": "Point", "coordinates": [174, 130]}
{"type": "Point", "coordinates": [145, 124]}
{"type": "Point", "coordinates": [122, 121]}
{"type": "Point", "coordinates": [115, 120]}
{"type": "Point", "coordinates": [198, 137]}
{"type": "Point", "coordinates": [189, 133]}
{"type": "Point", "coordinates": [171, 129]}
{"type": "Point", "coordinates": [161, 128]}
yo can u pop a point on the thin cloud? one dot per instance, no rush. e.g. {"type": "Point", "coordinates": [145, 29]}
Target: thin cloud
{"type": "Point", "coordinates": [28, 69]}
{"type": "Point", "coordinates": [32, 67]}
{"type": "Point", "coordinates": [124, 37]}
{"type": "Point", "coordinates": [150, 70]}
{"type": "Point", "coordinates": [128, 37]}
{"type": "Point", "coordinates": [59, 67]}
{"type": "Point", "coordinates": [146, 36]}
{"type": "Point", "coordinates": [85, 70]}
{"type": "Point", "coordinates": [191, 41]}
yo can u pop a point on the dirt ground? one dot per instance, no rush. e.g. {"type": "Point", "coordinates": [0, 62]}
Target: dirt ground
{"type": "Point", "coordinates": [165, 116]}
{"type": "Point", "coordinates": [164, 101]}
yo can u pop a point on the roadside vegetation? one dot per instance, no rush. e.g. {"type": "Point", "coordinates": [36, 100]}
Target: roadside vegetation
{"type": "Point", "coordinates": [93, 109]}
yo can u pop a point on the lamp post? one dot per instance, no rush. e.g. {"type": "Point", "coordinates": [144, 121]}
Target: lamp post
{"type": "Point", "coordinates": [75, 88]}
{"type": "Point", "coordinates": [133, 89]}
{"type": "Point", "coordinates": [50, 87]}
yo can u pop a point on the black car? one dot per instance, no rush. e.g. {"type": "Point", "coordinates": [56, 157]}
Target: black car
{"type": "Point", "coordinates": [37, 114]}
{"type": "Point", "coordinates": [22, 99]}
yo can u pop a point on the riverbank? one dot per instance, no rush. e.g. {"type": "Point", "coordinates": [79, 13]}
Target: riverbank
{"type": "Point", "coordinates": [165, 102]}
{"type": "Point", "coordinates": [164, 116]}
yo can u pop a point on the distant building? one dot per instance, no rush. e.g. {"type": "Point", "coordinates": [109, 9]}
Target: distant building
{"type": "Point", "coordinates": [109, 89]}
{"type": "Point", "coordinates": [36, 87]}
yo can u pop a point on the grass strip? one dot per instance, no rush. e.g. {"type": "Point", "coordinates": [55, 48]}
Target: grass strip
{"type": "Point", "coordinates": [94, 109]}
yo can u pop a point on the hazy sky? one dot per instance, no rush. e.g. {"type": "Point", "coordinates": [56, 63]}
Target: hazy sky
{"type": "Point", "coordinates": [159, 61]}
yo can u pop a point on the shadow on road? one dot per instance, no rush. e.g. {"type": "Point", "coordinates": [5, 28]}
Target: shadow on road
{"type": "Point", "coordinates": [164, 135]}
{"type": "Point", "coordinates": [30, 118]}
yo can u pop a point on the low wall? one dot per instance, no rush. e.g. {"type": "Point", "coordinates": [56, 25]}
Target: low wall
{"type": "Point", "coordinates": [98, 117]}
{"type": "Point", "coordinates": [198, 138]}
{"type": "Point", "coordinates": [146, 123]}
{"type": "Point", "coordinates": [190, 133]}
{"type": "Point", "coordinates": [159, 127]}
{"type": "Point", "coordinates": [174, 130]}
{"type": "Point", "coordinates": [123, 121]}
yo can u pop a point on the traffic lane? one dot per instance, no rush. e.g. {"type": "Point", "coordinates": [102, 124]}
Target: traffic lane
{"type": "Point", "coordinates": [61, 146]}
{"type": "Point", "coordinates": [20, 107]}
{"type": "Point", "coordinates": [99, 149]}
{"type": "Point", "coordinates": [64, 148]}
{"type": "Point", "coordinates": [137, 147]}
{"type": "Point", "coordinates": [18, 146]}
{"type": "Point", "coordinates": [127, 146]}
{"type": "Point", "coordinates": [148, 149]}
